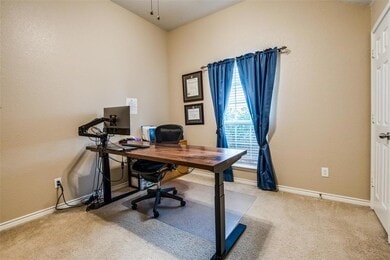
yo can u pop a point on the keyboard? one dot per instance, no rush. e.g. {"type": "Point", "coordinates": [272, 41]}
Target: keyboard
{"type": "Point", "coordinates": [136, 144]}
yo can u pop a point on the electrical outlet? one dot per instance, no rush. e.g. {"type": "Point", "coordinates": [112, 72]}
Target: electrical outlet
{"type": "Point", "coordinates": [57, 182]}
{"type": "Point", "coordinates": [324, 172]}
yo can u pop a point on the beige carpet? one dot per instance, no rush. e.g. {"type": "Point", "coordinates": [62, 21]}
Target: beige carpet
{"type": "Point", "coordinates": [197, 217]}
{"type": "Point", "coordinates": [279, 226]}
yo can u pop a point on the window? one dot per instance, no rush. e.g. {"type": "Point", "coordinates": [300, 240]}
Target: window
{"type": "Point", "coordinates": [238, 124]}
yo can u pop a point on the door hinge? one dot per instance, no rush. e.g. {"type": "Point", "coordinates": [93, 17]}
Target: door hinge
{"type": "Point", "coordinates": [372, 119]}
{"type": "Point", "coordinates": [372, 54]}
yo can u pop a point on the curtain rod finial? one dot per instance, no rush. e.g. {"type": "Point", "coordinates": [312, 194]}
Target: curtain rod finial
{"type": "Point", "coordinates": [284, 49]}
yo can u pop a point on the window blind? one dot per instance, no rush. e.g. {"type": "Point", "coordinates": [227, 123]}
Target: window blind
{"type": "Point", "coordinates": [238, 124]}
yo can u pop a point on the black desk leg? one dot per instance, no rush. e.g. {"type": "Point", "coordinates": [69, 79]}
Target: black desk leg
{"type": "Point", "coordinates": [222, 245]}
{"type": "Point", "coordinates": [106, 178]}
{"type": "Point", "coordinates": [219, 205]}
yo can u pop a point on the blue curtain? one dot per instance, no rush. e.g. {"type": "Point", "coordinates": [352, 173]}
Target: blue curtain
{"type": "Point", "coordinates": [257, 74]}
{"type": "Point", "coordinates": [220, 79]}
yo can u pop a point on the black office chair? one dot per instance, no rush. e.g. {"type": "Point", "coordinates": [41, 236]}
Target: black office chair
{"type": "Point", "coordinates": [155, 171]}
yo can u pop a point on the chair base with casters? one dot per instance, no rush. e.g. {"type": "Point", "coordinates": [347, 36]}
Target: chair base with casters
{"type": "Point", "coordinates": [159, 192]}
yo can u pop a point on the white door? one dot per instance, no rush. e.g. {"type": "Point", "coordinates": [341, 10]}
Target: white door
{"type": "Point", "coordinates": [380, 122]}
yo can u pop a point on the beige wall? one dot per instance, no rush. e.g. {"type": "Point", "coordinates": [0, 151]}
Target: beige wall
{"type": "Point", "coordinates": [323, 97]}
{"type": "Point", "coordinates": [377, 6]}
{"type": "Point", "coordinates": [62, 62]}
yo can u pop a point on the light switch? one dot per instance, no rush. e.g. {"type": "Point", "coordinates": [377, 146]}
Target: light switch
{"type": "Point", "coordinates": [133, 103]}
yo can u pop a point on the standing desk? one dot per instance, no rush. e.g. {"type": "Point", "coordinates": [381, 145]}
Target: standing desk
{"type": "Point", "coordinates": [215, 160]}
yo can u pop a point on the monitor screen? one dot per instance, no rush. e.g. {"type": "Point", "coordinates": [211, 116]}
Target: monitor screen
{"type": "Point", "coordinates": [119, 123]}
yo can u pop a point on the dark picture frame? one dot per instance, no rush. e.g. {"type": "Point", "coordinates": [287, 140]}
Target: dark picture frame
{"type": "Point", "coordinates": [194, 114]}
{"type": "Point", "coordinates": [192, 86]}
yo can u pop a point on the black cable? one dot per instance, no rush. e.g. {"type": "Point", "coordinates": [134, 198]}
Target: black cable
{"type": "Point", "coordinates": [121, 162]}
{"type": "Point", "coordinates": [111, 158]}
{"type": "Point", "coordinates": [97, 185]}
{"type": "Point", "coordinates": [62, 195]}
{"type": "Point", "coordinates": [114, 144]}
{"type": "Point", "coordinates": [98, 172]}
{"type": "Point", "coordinates": [122, 171]}
{"type": "Point", "coordinates": [94, 175]}
{"type": "Point", "coordinates": [96, 131]}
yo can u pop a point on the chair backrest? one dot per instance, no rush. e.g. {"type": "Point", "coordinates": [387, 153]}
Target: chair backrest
{"type": "Point", "coordinates": [169, 134]}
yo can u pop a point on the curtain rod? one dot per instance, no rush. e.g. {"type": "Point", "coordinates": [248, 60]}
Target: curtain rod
{"type": "Point", "coordinates": [282, 49]}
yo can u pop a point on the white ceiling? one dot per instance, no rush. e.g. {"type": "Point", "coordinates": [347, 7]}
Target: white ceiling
{"type": "Point", "coordinates": [175, 13]}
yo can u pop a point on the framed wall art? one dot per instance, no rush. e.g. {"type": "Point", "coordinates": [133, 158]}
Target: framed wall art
{"type": "Point", "coordinates": [194, 114]}
{"type": "Point", "coordinates": [192, 86]}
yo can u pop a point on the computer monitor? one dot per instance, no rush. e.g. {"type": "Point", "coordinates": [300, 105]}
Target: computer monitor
{"type": "Point", "coordinates": [119, 123]}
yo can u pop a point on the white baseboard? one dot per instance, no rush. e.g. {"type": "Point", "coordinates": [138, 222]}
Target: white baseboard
{"type": "Point", "coordinates": [37, 214]}
{"type": "Point", "coordinates": [326, 196]}
{"type": "Point", "coordinates": [304, 192]}
{"type": "Point", "coordinates": [43, 212]}
{"type": "Point", "coordinates": [40, 213]}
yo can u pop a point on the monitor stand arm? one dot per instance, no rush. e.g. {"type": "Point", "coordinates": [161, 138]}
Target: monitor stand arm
{"type": "Point", "coordinates": [83, 130]}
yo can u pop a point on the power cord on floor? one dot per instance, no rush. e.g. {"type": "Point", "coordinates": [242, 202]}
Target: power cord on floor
{"type": "Point", "coordinates": [62, 195]}
{"type": "Point", "coordinates": [95, 201]}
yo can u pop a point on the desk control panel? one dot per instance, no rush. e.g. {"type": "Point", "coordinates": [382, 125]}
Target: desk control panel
{"type": "Point", "coordinates": [138, 144]}
{"type": "Point", "coordinates": [118, 147]}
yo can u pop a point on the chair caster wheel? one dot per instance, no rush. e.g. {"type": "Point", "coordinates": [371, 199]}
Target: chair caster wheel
{"type": "Point", "coordinates": [155, 213]}
{"type": "Point", "coordinates": [182, 203]}
{"type": "Point", "coordinates": [134, 206]}
{"type": "Point", "coordinates": [174, 192]}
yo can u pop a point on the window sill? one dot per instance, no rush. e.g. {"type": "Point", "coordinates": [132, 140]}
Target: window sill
{"type": "Point", "coordinates": [244, 167]}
